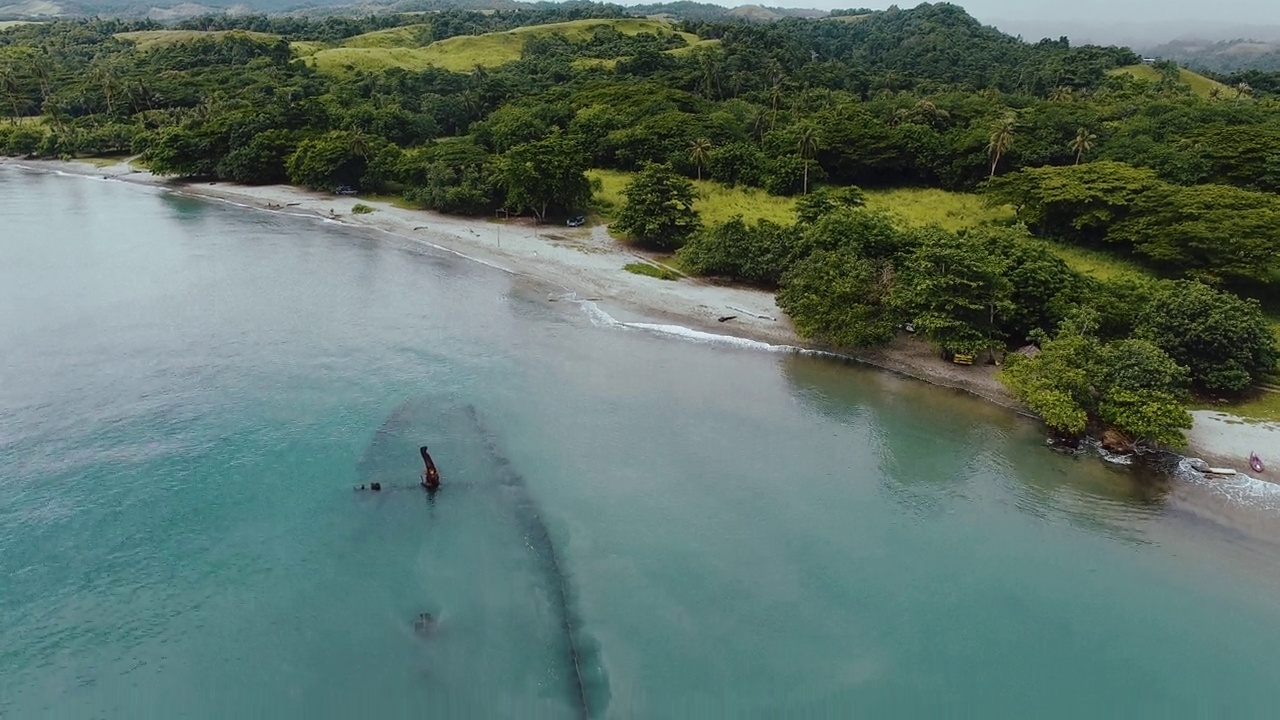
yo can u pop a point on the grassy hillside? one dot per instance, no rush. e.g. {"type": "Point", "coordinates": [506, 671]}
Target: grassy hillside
{"type": "Point", "coordinates": [694, 45]}
{"type": "Point", "coordinates": [10, 23]}
{"type": "Point", "coordinates": [147, 39]}
{"type": "Point", "coordinates": [398, 37]}
{"type": "Point", "coordinates": [912, 206]}
{"type": "Point", "coordinates": [405, 47]}
{"type": "Point", "coordinates": [333, 60]}
{"type": "Point", "coordinates": [930, 206]}
{"type": "Point", "coordinates": [716, 203]}
{"type": "Point", "coordinates": [1199, 84]}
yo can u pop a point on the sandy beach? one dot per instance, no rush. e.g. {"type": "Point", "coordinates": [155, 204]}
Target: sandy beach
{"type": "Point", "coordinates": [587, 264]}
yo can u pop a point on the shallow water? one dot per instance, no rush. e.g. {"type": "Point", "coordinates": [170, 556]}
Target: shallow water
{"type": "Point", "coordinates": [188, 390]}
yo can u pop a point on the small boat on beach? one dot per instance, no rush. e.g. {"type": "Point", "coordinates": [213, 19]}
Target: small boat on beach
{"type": "Point", "coordinates": [1219, 471]}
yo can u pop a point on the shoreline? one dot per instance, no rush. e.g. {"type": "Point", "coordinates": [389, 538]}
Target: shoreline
{"type": "Point", "coordinates": [588, 265]}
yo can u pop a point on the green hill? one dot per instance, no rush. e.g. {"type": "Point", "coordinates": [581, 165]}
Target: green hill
{"type": "Point", "coordinates": [147, 39]}
{"type": "Point", "coordinates": [404, 47]}
{"type": "Point", "coordinates": [397, 37]}
{"type": "Point", "coordinates": [1198, 83]}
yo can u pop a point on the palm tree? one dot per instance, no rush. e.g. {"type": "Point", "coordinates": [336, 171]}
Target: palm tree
{"type": "Point", "coordinates": [42, 69]}
{"type": "Point", "coordinates": [759, 122]}
{"type": "Point", "coordinates": [736, 81]}
{"type": "Point", "coordinates": [709, 64]}
{"type": "Point", "coordinates": [1001, 140]}
{"type": "Point", "coordinates": [807, 143]}
{"type": "Point", "coordinates": [1215, 92]}
{"type": "Point", "coordinates": [104, 75]}
{"type": "Point", "coordinates": [1243, 89]}
{"type": "Point", "coordinates": [469, 100]}
{"type": "Point", "coordinates": [357, 142]}
{"type": "Point", "coordinates": [1061, 94]}
{"type": "Point", "coordinates": [1082, 143]}
{"type": "Point", "coordinates": [775, 97]}
{"type": "Point", "coordinates": [699, 152]}
{"type": "Point", "coordinates": [12, 88]}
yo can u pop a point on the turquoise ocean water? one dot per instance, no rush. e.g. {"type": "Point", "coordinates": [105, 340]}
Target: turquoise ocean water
{"type": "Point", "coordinates": [190, 390]}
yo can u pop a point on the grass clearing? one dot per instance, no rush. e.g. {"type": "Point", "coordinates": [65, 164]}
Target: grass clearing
{"type": "Point", "coordinates": [648, 270]}
{"type": "Point", "coordinates": [1198, 83]}
{"type": "Point", "coordinates": [306, 48]}
{"type": "Point", "coordinates": [390, 199]}
{"type": "Point", "coordinates": [716, 203]}
{"type": "Point", "coordinates": [6, 24]}
{"type": "Point", "coordinates": [931, 206]}
{"type": "Point", "coordinates": [693, 45]}
{"type": "Point", "coordinates": [334, 60]}
{"type": "Point", "coordinates": [147, 39]}
{"type": "Point", "coordinates": [404, 47]}
{"type": "Point", "coordinates": [1262, 405]}
{"type": "Point", "coordinates": [1096, 263]}
{"type": "Point", "coordinates": [396, 37]}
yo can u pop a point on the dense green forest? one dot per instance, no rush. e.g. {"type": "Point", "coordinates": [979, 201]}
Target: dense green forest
{"type": "Point", "coordinates": [1089, 148]}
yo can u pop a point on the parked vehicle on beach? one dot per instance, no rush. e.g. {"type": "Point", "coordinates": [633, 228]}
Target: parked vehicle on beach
{"type": "Point", "coordinates": [344, 190]}
{"type": "Point", "coordinates": [577, 221]}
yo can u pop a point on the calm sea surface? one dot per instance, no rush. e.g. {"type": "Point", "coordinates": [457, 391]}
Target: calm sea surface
{"type": "Point", "coordinates": [652, 526]}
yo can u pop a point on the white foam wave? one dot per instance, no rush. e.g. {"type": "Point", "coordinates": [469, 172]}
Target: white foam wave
{"type": "Point", "coordinates": [600, 318]}
{"type": "Point", "coordinates": [1240, 488]}
{"type": "Point", "coordinates": [701, 336]}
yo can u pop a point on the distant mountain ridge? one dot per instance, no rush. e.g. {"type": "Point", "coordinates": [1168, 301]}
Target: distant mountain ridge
{"type": "Point", "coordinates": [1224, 56]}
{"type": "Point", "coordinates": [45, 9]}
{"type": "Point", "coordinates": [1220, 47]}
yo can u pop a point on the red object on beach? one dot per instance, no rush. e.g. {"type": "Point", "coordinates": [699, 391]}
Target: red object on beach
{"type": "Point", "coordinates": [1255, 462]}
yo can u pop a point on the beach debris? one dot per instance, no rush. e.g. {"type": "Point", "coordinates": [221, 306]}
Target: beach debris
{"type": "Point", "coordinates": [726, 318]}
{"type": "Point", "coordinates": [292, 204]}
{"type": "Point", "coordinates": [1219, 471]}
{"type": "Point", "coordinates": [754, 315]}
{"type": "Point", "coordinates": [1115, 441]}
{"type": "Point", "coordinates": [1255, 462]}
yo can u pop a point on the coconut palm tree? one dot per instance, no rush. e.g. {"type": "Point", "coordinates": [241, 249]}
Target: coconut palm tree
{"type": "Point", "coordinates": [357, 142]}
{"type": "Point", "coordinates": [12, 88]}
{"type": "Point", "coordinates": [1243, 89]}
{"type": "Point", "coordinates": [709, 64]}
{"type": "Point", "coordinates": [1001, 140]}
{"type": "Point", "coordinates": [104, 74]}
{"type": "Point", "coordinates": [736, 83]}
{"type": "Point", "coordinates": [1215, 92]}
{"type": "Point", "coordinates": [1061, 94]}
{"type": "Point", "coordinates": [775, 97]}
{"type": "Point", "coordinates": [42, 69]}
{"type": "Point", "coordinates": [807, 143]}
{"type": "Point", "coordinates": [1082, 143]}
{"type": "Point", "coordinates": [759, 123]}
{"type": "Point", "coordinates": [699, 152]}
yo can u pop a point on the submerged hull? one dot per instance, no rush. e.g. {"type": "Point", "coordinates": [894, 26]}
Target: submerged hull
{"type": "Point", "coordinates": [503, 641]}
